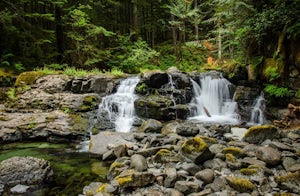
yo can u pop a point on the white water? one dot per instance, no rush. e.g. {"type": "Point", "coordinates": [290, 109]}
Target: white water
{"type": "Point", "coordinates": [120, 105]}
{"type": "Point", "coordinates": [214, 95]}
{"type": "Point", "coordinates": [257, 113]}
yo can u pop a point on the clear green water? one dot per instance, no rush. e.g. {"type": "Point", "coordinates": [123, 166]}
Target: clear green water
{"type": "Point", "coordinates": [72, 170]}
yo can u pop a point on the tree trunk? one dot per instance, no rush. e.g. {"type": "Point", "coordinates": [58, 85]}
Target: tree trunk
{"type": "Point", "coordinates": [134, 30]}
{"type": "Point", "coordinates": [59, 35]}
{"type": "Point", "coordinates": [219, 43]}
{"type": "Point", "coordinates": [174, 36]}
{"type": "Point", "coordinates": [196, 24]}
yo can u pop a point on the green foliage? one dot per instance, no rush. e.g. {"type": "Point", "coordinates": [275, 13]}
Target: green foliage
{"type": "Point", "coordinates": [11, 94]}
{"type": "Point", "coordinates": [56, 66]}
{"type": "Point", "coordinates": [272, 73]}
{"type": "Point", "coordinates": [72, 71]}
{"type": "Point", "coordinates": [278, 92]}
{"type": "Point", "coordinates": [133, 55]}
{"type": "Point", "coordinates": [116, 72]}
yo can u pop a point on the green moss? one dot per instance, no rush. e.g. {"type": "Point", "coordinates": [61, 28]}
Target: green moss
{"type": "Point", "coordinates": [89, 103]}
{"type": "Point", "coordinates": [230, 157]}
{"type": "Point", "coordinates": [240, 184]}
{"type": "Point", "coordinates": [209, 139]}
{"type": "Point", "coordinates": [11, 94]}
{"type": "Point", "coordinates": [99, 169]}
{"type": "Point", "coordinates": [141, 88]}
{"type": "Point", "coordinates": [289, 177]}
{"type": "Point", "coordinates": [248, 171]}
{"type": "Point", "coordinates": [237, 152]}
{"type": "Point", "coordinates": [122, 180]}
{"type": "Point", "coordinates": [102, 188]}
{"type": "Point", "coordinates": [196, 144]}
{"type": "Point", "coordinates": [254, 130]}
{"type": "Point", "coordinates": [273, 69]}
{"type": "Point", "coordinates": [165, 156]}
{"type": "Point", "coordinates": [28, 78]}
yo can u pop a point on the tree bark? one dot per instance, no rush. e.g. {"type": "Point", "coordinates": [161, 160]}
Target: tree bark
{"type": "Point", "coordinates": [196, 24]}
{"type": "Point", "coordinates": [59, 35]}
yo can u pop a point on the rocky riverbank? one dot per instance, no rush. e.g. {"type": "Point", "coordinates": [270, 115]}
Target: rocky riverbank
{"type": "Point", "coordinates": [165, 154]}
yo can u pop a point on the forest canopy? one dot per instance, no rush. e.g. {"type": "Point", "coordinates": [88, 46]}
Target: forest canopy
{"type": "Point", "coordinates": [131, 35]}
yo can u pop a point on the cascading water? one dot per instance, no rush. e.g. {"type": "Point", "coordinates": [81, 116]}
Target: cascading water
{"type": "Point", "coordinates": [120, 105]}
{"type": "Point", "coordinates": [257, 113]}
{"type": "Point", "coordinates": [212, 101]}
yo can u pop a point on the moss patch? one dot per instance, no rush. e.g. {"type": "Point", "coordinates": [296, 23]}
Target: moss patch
{"type": "Point", "coordinates": [28, 78]}
{"type": "Point", "coordinates": [258, 134]}
{"type": "Point", "coordinates": [289, 177]}
{"type": "Point", "coordinates": [196, 144]}
{"type": "Point", "coordinates": [230, 158]}
{"type": "Point", "coordinates": [248, 171]}
{"type": "Point", "coordinates": [237, 152]}
{"type": "Point", "coordinates": [240, 184]}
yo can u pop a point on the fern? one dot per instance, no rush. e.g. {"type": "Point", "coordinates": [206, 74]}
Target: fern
{"type": "Point", "coordinates": [278, 92]}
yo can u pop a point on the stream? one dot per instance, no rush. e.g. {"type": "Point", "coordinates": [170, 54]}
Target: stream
{"type": "Point", "coordinates": [72, 169]}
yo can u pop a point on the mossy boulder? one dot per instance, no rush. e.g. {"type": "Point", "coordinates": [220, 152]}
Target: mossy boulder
{"type": "Point", "coordinates": [236, 151]}
{"type": "Point", "coordinates": [131, 178]}
{"type": "Point", "coordinates": [89, 103]}
{"type": "Point", "coordinates": [196, 149]}
{"type": "Point", "coordinates": [240, 184]}
{"type": "Point", "coordinates": [258, 134]}
{"type": "Point", "coordinates": [155, 78]}
{"type": "Point", "coordinates": [28, 78]}
{"type": "Point", "coordinates": [160, 108]}
{"type": "Point", "coordinates": [166, 156]}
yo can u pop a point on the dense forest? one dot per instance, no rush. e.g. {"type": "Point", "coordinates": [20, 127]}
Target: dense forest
{"type": "Point", "coordinates": [131, 35]}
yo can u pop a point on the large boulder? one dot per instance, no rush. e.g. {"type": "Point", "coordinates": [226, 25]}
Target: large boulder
{"type": "Point", "coordinates": [25, 171]}
{"type": "Point", "coordinates": [196, 150]}
{"type": "Point", "coordinates": [151, 125]}
{"type": "Point", "coordinates": [155, 78]}
{"type": "Point", "coordinates": [258, 134]}
{"type": "Point", "coordinates": [101, 142]}
{"type": "Point", "coordinates": [160, 108]}
{"type": "Point", "coordinates": [245, 97]}
{"type": "Point", "coordinates": [269, 155]}
{"type": "Point", "coordinates": [42, 125]}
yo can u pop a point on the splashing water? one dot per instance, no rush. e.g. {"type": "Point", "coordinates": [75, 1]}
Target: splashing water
{"type": "Point", "coordinates": [257, 113]}
{"type": "Point", "coordinates": [212, 101]}
{"type": "Point", "coordinates": [120, 105]}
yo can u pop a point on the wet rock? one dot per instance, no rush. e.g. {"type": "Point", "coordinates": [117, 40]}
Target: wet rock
{"type": "Point", "coordinates": [206, 175]}
{"type": "Point", "coordinates": [160, 108]}
{"type": "Point", "coordinates": [288, 162]}
{"type": "Point", "coordinates": [119, 165]}
{"type": "Point", "coordinates": [25, 171]}
{"type": "Point", "coordinates": [196, 150]}
{"type": "Point", "coordinates": [169, 128]}
{"type": "Point", "coordinates": [215, 164]}
{"type": "Point", "coordinates": [166, 156]}
{"type": "Point", "coordinates": [269, 155]}
{"type": "Point", "coordinates": [99, 143]}
{"type": "Point", "coordinates": [171, 177]}
{"type": "Point", "coordinates": [258, 134]}
{"type": "Point", "coordinates": [155, 79]}
{"type": "Point", "coordinates": [191, 168]}
{"type": "Point", "coordinates": [19, 189]}
{"type": "Point", "coordinates": [245, 97]}
{"type": "Point", "coordinates": [187, 187]}
{"type": "Point", "coordinates": [138, 163]}
{"type": "Point", "coordinates": [153, 150]}
{"type": "Point", "coordinates": [252, 161]}
{"type": "Point", "coordinates": [130, 178]}
{"type": "Point", "coordinates": [150, 125]}
{"type": "Point", "coordinates": [187, 130]}
{"type": "Point", "coordinates": [218, 184]}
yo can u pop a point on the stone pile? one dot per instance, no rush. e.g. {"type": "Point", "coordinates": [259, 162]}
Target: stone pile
{"type": "Point", "coordinates": [194, 159]}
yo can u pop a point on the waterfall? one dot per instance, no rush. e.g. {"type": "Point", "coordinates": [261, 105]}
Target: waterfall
{"type": "Point", "coordinates": [120, 105]}
{"type": "Point", "coordinates": [257, 113]}
{"type": "Point", "coordinates": [212, 101]}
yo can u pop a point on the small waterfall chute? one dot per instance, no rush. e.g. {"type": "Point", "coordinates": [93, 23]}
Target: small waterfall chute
{"type": "Point", "coordinates": [120, 105]}
{"type": "Point", "coordinates": [212, 101]}
{"type": "Point", "coordinates": [257, 113]}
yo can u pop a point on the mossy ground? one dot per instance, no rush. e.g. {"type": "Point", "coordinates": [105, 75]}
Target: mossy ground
{"type": "Point", "coordinates": [240, 184]}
